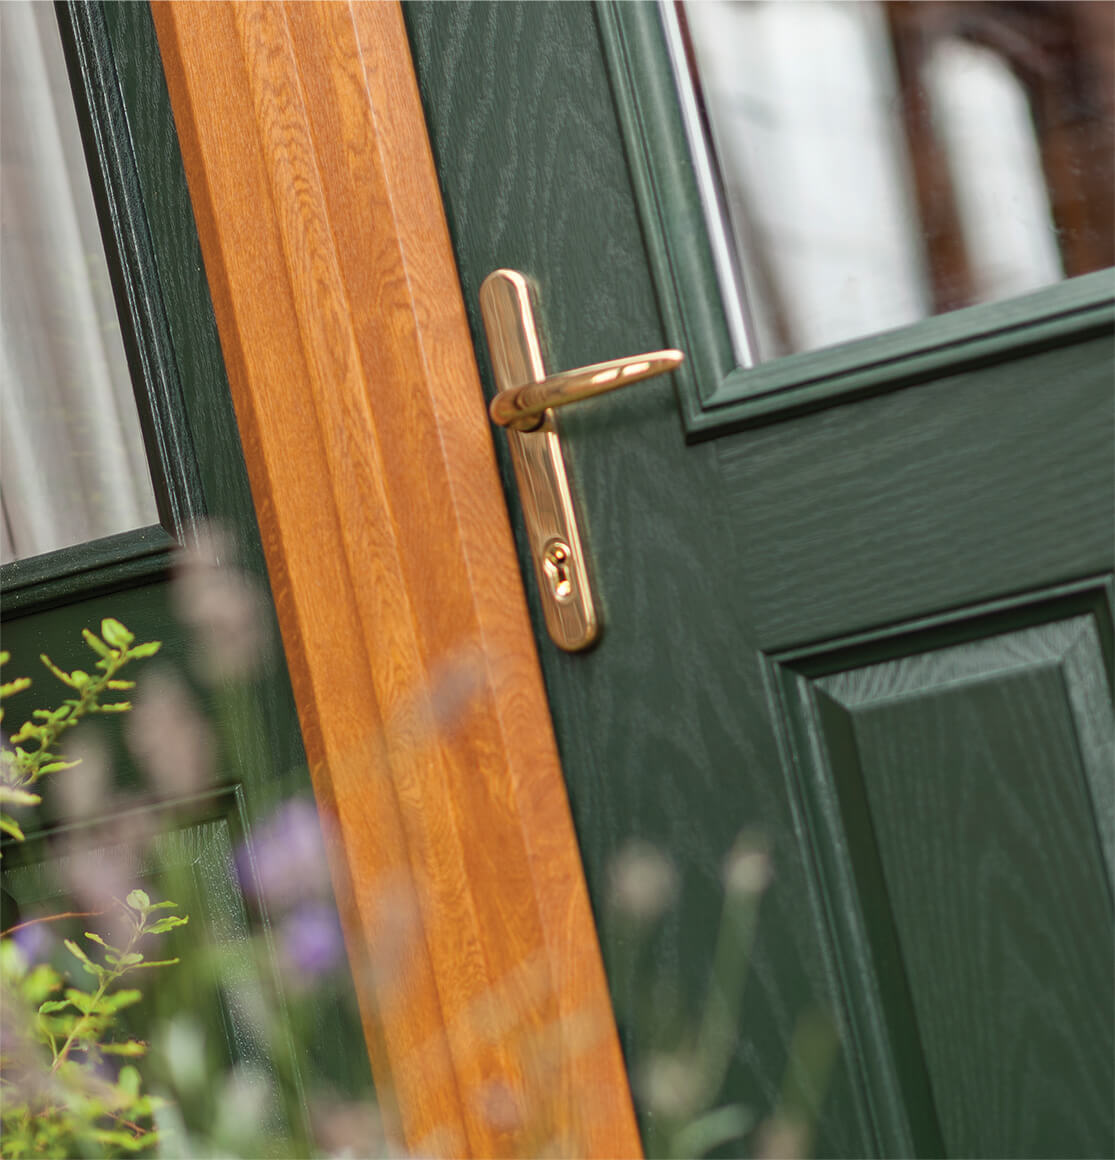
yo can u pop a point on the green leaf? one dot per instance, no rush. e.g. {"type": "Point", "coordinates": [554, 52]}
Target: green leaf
{"type": "Point", "coordinates": [87, 963]}
{"type": "Point", "coordinates": [53, 1005]}
{"type": "Point", "coordinates": [10, 826]}
{"type": "Point", "coordinates": [145, 650]}
{"type": "Point", "coordinates": [82, 1000]}
{"type": "Point", "coordinates": [77, 952]}
{"type": "Point", "coordinates": [10, 688]}
{"type": "Point", "coordinates": [120, 684]}
{"type": "Point", "coordinates": [160, 963]}
{"type": "Point", "coordinates": [168, 923]}
{"type": "Point", "coordinates": [63, 677]}
{"type": "Point", "coordinates": [118, 1000]}
{"type": "Point", "coordinates": [79, 678]}
{"type": "Point", "coordinates": [41, 982]}
{"type": "Point", "coordinates": [162, 905]}
{"type": "Point", "coordinates": [13, 962]}
{"type": "Point", "coordinates": [18, 797]}
{"type": "Point", "coordinates": [114, 707]}
{"type": "Point", "coordinates": [98, 940]}
{"type": "Point", "coordinates": [96, 644]}
{"type": "Point", "coordinates": [121, 1138]}
{"type": "Point", "coordinates": [128, 1081]}
{"type": "Point", "coordinates": [130, 960]}
{"type": "Point", "coordinates": [128, 1047]}
{"type": "Point", "coordinates": [139, 900]}
{"type": "Point", "coordinates": [115, 633]}
{"type": "Point", "coordinates": [55, 766]}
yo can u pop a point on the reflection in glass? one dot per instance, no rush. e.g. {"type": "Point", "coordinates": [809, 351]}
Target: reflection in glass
{"type": "Point", "coordinates": [878, 163]}
{"type": "Point", "coordinates": [72, 465]}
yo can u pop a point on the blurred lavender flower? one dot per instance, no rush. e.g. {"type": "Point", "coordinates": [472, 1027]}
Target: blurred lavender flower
{"type": "Point", "coordinates": [95, 877]}
{"type": "Point", "coordinates": [169, 737]}
{"type": "Point", "coordinates": [398, 927]}
{"type": "Point", "coordinates": [442, 703]}
{"type": "Point", "coordinates": [349, 1128]}
{"type": "Point", "coordinates": [83, 791]}
{"type": "Point", "coordinates": [310, 940]}
{"type": "Point", "coordinates": [500, 1107]}
{"type": "Point", "coordinates": [287, 855]}
{"type": "Point", "coordinates": [783, 1139]}
{"type": "Point", "coordinates": [670, 1085]}
{"type": "Point", "coordinates": [642, 881]}
{"type": "Point", "coordinates": [245, 1105]}
{"type": "Point", "coordinates": [748, 869]}
{"type": "Point", "coordinates": [222, 604]}
{"type": "Point", "coordinates": [35, 942]}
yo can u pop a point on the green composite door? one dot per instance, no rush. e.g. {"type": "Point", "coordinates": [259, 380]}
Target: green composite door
{"type": "Point", "coordinates": [205, 813]}
{"type": "Point", "coordinates": [856, 605]}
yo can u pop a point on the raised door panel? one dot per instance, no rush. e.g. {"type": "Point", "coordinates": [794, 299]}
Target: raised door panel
{"type": "Point", "coordinates": [959, 797]}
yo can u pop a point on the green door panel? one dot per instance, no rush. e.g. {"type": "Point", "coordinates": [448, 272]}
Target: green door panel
{"type": "Point", "coordinates": [870, 628]}
{"type": "Point", "coordinates": [944, 787]}
{"type": "Point", "coordinates": [955, 491]}
{"type": "Point", "coordinates": [206, 838]}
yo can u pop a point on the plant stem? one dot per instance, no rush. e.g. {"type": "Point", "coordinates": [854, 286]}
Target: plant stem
{"type": "Point", "coordinates": [50, 918]}
{"type": "Point", "coordinates": [110, 977]}
{"type": "Point", "coordinates": [87, 699]}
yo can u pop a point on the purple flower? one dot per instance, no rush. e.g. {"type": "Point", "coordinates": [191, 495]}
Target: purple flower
{"type": "Point", "coordinates": [35, 942]}
{"type": "Point", "coordinates": [287, 855]}
{"type": "Point", "coordinates": [310, 939]}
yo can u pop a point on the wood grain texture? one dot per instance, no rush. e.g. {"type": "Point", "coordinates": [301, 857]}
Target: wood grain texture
{"type": "Point", "coordinates": [976, 770]}
{"type": "Point", "coordinates": [974, 484]}
{"type": "Point", "coordinates": [659, 737]}
{"type": "Point", "coordinates": [166, 316]}
{"type": "Point", "coordinates": [956, 778]}
{"type": "Point", "coordinates": [392, 566]}
{"type": "Point", "coordinates": [928, 498]}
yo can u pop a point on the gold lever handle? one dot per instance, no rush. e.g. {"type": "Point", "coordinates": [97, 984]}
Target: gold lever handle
{"type": "Point", "coordinates": [525, 396]}
{"type": "Point", "coordinates": [523, 407]}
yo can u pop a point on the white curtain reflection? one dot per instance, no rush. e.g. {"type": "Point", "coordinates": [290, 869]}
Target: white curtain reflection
{"type": "Point", "coordinates": [805, 108]}
{"type": "Point", "coordinates": [72, 465]}
{"type": "Point", "coordinates": [988, 134]}
{"type": "Point", "coordinates": [801, 99]}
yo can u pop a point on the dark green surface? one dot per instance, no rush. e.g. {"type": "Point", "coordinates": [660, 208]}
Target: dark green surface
{"type": "Point", "coordinates": [964, 476]}
{"type": "Point", "coordinates": [960, 797]}
{"type": "Point", "coordinates": [716, 394]}
{"type": "Point", "coordinates": [192, 443]}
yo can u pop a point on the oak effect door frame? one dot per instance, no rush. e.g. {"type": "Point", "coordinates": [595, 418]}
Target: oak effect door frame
{"type": "Point", "coordinates": [389, 550]}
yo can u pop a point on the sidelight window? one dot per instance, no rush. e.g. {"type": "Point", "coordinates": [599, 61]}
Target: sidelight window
{"type": "Point", "coordinates": [72, 461]}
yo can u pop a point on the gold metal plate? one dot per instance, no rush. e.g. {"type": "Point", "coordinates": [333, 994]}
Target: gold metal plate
{"type": "Point", "coordinates": [555, 543]}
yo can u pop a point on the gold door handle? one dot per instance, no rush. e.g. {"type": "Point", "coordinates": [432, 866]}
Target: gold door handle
{"type": "Point", "coordinates": [523, 405]}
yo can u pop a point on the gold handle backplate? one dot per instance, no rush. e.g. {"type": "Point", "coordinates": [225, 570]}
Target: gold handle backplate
{"type": "Point", "coordinates": [524, 405]}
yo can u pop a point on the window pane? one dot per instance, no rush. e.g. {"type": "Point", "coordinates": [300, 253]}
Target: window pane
{"type": "Point", "coordinates": [882, 162]}
{"type": "Point", "coordinates": [72, 464]}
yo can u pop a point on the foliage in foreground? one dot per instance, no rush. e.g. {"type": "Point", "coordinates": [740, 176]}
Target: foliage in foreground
{"type": "Point", "coordinates": [67, 1084]}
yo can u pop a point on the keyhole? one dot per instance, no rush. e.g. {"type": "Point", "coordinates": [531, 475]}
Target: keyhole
{"type": "Point", "coordinates": [558, 570]}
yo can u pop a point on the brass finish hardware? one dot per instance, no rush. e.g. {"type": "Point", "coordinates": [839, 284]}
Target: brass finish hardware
{"type": "Point", "coordinates": [524, 406]}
